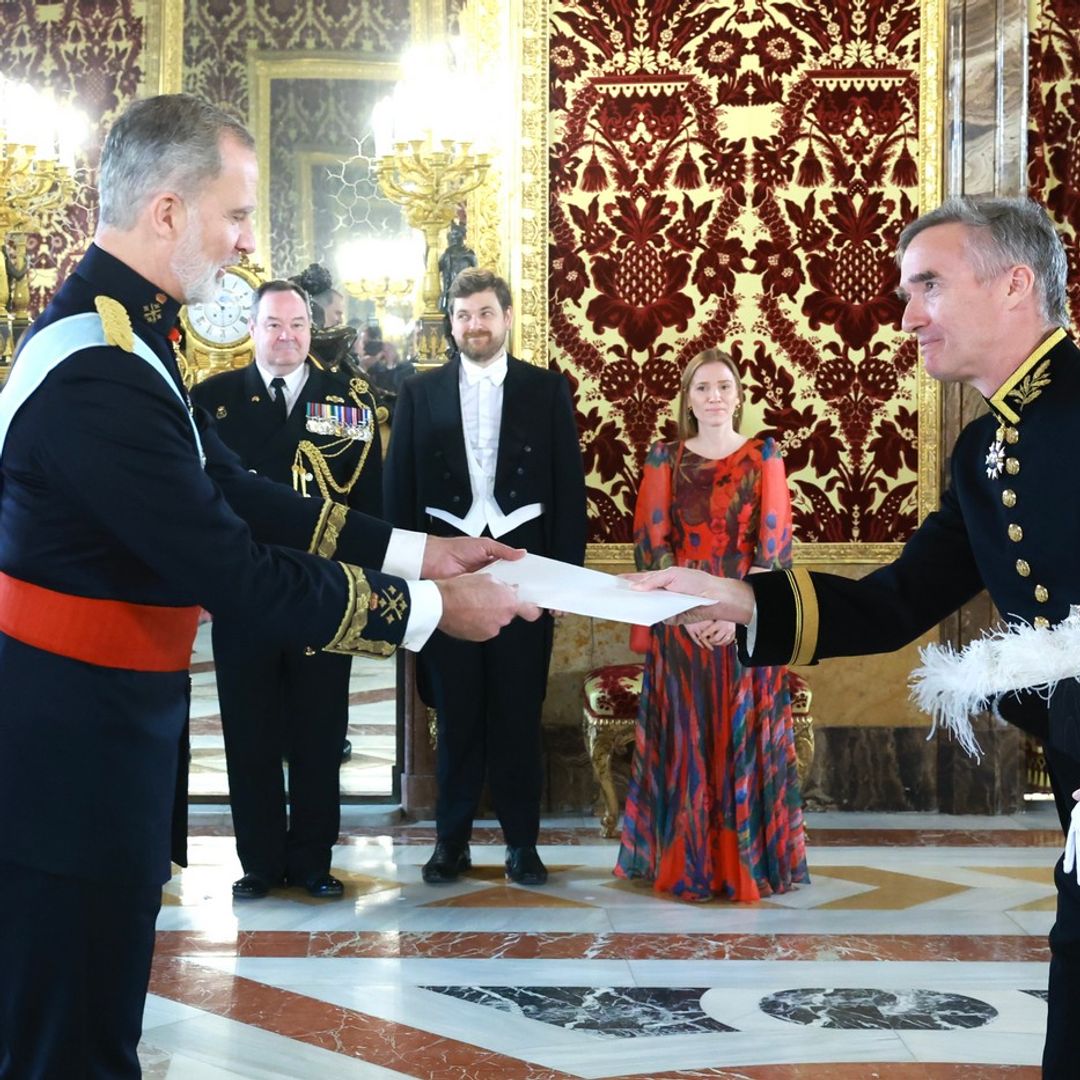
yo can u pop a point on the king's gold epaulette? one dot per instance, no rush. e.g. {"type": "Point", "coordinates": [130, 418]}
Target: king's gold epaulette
{"type": "Point", "coordinates": [116, 323]}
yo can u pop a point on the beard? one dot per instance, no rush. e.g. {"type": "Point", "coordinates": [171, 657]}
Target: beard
{"type": "Point", "coordinates": [198, 277]}
{"type": "Point", "coordinates": [479, 348]}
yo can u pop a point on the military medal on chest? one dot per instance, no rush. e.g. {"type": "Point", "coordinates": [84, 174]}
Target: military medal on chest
{"type": "Point", "coordinates": [340, 421]}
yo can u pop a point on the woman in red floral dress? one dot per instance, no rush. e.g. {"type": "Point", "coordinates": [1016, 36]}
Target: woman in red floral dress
{"type": "Point", "coordinates": [713, 807]}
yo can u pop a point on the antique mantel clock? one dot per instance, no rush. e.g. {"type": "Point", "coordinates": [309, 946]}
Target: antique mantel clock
{"type": "Point", "coordinates": [216, 334]}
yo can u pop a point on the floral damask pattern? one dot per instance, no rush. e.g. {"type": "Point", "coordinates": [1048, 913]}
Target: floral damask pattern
{"type": "Point", "coordinates": [93, 54]}
{"type": "Point", "coordinates": [1054, 126]}
{"type": "Point", "coordinates": [219, 34]}
{"type": "Point", "coordinates": [737, 175]}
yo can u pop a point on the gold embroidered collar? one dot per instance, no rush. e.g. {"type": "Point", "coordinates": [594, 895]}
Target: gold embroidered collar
{"type": "Point", "coordinates": [1026, 383]}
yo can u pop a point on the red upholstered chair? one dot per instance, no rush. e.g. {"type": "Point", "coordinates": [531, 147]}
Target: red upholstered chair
{"type": "Point", "coordinates": [609, 718]}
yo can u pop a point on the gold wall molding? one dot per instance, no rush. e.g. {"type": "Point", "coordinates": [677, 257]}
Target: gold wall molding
{"type": "Point", "coordinates": [263, 69]}
{"type": "Point", "coordinates": [164, 46]}
{"type": "Point", "coordinates": [529, 227]}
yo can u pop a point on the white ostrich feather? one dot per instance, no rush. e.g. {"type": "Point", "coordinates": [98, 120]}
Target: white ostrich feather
{"type": "Point", "coordinates": [952, 686]}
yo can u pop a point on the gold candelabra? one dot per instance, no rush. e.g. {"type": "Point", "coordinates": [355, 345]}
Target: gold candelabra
{"type": "Point", "coordinates": [37, 141]}
{"type": "Point", "coordinates": [428, 184]}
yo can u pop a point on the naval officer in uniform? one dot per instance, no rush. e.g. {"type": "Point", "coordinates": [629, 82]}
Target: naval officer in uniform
{"type": "Point", "coordinates": [290, 420]}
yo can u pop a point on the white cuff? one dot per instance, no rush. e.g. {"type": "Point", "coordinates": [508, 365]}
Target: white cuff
{"type": "Point", "coordinates": [425, 611]}
{"type": "Point", "coordinates": [404, 554]}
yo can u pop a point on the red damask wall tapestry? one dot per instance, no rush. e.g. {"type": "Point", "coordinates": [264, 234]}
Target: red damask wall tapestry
{"type": "Point", "coordinates": [92, 54]}
{"type": "Point", "coordinates": [737, 174]}
{"type": "Point", "coordinates": [1054, 126]}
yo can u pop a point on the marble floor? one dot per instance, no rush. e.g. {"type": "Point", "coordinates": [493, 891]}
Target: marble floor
{"type": "Point", "coordinates": [918, 950]}
{"type": "Point", "coordinates": [372, 726]}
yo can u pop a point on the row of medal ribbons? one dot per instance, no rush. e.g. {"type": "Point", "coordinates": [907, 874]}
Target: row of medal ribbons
{"type": "Point", "coordinates": [341, 421]}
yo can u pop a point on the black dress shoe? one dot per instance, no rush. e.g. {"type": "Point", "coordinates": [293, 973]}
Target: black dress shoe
{"type": "Point", "coordinates": [523, 866]}
{"type": "Point", "coordinates": [446, 863]}
{"type": "Point", "coordinates": [324, 887]}
{"type": "Point", "coordinates": [250, 887]}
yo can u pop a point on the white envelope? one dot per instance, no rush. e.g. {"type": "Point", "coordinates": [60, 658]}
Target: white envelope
{"type": "Point", "coordinates": [561, 586]}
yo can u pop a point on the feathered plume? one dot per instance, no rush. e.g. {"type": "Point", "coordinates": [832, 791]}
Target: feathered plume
{"type": "Point", "coordinates": [953, 686]}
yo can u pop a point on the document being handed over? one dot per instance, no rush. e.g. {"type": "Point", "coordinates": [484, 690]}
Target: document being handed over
{"type": "Point", "coordinates": [561, 586]}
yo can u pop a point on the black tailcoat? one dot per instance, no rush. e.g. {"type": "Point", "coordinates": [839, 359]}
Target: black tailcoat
{"type": "Point", "coordinates": [489, 696]}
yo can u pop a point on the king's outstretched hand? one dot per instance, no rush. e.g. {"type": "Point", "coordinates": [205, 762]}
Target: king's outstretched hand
{"type": "Point", "coordinates": [448, 556]}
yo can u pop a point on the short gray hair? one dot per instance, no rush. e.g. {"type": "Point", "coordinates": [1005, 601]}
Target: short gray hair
{"type": "Point", "coordinates": [1006, 232]}
{"type": "Point", "coordinates": [169, 142]}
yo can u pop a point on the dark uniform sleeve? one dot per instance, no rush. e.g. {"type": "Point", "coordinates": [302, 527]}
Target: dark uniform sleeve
{"type": "Point", "coordinates": [125, 459]}
{"type": "Point", "coordinates": [399, 482]}
{"type": "Point", "coordinates": [278, 515]}
{"type": "Point", "coordinates": [805, 616]}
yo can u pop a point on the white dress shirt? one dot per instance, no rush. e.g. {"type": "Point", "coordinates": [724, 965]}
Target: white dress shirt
{"type": "Point", "coordinates": [481, 390]}
{"type": "Point", "coordinates": [294, 383]}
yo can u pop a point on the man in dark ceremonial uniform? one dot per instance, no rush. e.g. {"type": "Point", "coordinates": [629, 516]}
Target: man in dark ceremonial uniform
{"type": "Point", "coordinates": [121, 512]}
{"type": "Point", "coordinates": [983, 282]}
{"type": "Point", "coordinates": [293, 422]}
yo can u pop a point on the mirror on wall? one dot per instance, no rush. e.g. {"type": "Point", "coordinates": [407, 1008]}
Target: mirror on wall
{"type": "Point", "coordinates": [307, 78]}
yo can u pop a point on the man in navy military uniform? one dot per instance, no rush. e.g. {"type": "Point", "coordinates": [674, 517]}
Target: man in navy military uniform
{"type": "Point", "coordinates": [121, 513]}
{"type": "Point", "coordinates": [291, 421]}
{"type": "Point", "coordinates": [486, 445]}
{"type": "Point", "coordinates": [983, 283]}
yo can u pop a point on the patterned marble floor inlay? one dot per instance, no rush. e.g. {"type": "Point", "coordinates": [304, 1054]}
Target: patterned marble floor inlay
{"type": "Point", "coordinates": [620, 1012]}
{"type": "Point", "coordinates": [903, 960]}
{"type": "Point", "coordinates": [861, 1008]}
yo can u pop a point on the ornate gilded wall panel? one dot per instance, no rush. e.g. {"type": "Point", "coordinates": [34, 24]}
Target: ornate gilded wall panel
{"type": "Point", "coordinates": [1054, 125]}
{"type": "Point", "coordinates": [738, 175]}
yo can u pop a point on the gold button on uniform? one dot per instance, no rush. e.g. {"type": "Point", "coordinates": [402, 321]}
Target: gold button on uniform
{"type": "Point", "coordinates": [1022, 567]}
{"type": "Point", "coordinates": [1041, 594]}
{"type": "Point", "coordinates": [1040, 623]}
{"type": "Point", "coordinates": [1016, 534]}
{"type": "Point", "coordinates": [1012, 436]}
{"type": "Point", "coordinates": [1012, 466]}
{"type": "Point", "coordinates": [1008, 497]}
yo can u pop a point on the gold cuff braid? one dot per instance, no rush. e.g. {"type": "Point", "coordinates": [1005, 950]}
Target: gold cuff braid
{"type": "Point", "coordinates": [349, 638]}
{"type": "Point", "coordinates": [324, 540]}
{"type": "Point", "coordinates": [806, 616]}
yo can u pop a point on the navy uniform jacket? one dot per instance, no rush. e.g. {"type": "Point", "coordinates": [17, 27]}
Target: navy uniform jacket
{"type": "Point", "coordinates": [102, 495]}
{"type": "Point", "coordinates": [1008, 522]}
{"type": "Point", "coordinates": [538, 460]}
{"type": "Point", "coordinates": [247, 420]}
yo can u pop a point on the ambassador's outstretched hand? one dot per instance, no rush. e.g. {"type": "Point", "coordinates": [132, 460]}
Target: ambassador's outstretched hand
{"type": "Point", "coordinates": [730, 598]}
{"type": "Point", "coordinates": [476, 607]}
{"type": "Point", "coordinates": [448, 556]}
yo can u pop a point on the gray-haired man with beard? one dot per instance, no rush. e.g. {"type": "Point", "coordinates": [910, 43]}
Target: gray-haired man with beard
{"type": "Point", "coordinates": [121, 513]}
